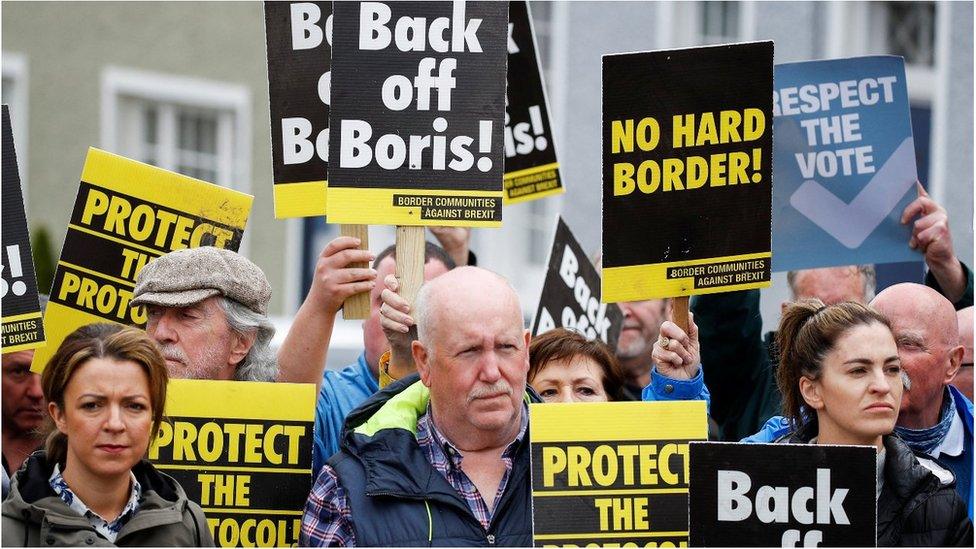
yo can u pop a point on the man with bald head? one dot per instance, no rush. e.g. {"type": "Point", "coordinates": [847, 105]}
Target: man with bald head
{"type": "Point", "coordinates": [935, 418]}
{"type": "Point", "coordinates": [964, 377]}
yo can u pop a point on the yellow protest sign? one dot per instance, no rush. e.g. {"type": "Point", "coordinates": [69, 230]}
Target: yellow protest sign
{"type": "Point", "coordinates": [126, 214]}
{"type": "Point", "coordinates": [610, 474]}
{"type": "Point", "coordinates": [243, 451]}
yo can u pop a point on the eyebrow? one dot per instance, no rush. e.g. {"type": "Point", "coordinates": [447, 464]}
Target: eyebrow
{"type": "Point", "coordinates": [868, 361]}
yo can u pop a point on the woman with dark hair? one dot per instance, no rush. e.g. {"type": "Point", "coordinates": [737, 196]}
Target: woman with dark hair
{"type": "Point", "coordinates": [842, 383]}
{"type": "Point", "coordinates": [106, 390]}
{"type": "Point", "coordinates": [564, 366]}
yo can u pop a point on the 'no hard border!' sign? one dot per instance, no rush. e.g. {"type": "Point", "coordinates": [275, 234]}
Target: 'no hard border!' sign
{"type": "Point", "coordinates": [687, 146]}
{"type": "Point", "coordinates": [417, 114]}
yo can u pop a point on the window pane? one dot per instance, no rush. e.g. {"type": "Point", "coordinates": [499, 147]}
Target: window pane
{"type": "Point", "coordinates": [911, 31]}
{"type": "Point", "coordinates": [150, 125]}
{"type": "Point", "coordinates": [719, 21]}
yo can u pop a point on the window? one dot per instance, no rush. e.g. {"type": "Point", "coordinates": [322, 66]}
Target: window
{"type": "Point", "coordinates": [197, 128]}
{"type": "Point", "coordinates": [15, 95]}
{"type": "Point", "coordinates": [718, 22]}
{"type": "Point", "coordinates": [909, 30]}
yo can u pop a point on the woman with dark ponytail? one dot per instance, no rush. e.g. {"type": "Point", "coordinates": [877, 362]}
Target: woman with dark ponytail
{"type": "Point", "coordinates": [106, 390]}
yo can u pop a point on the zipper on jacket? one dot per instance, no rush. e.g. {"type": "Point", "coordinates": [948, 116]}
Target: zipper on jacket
{"type": "Point", "coordinates": [491, 539]}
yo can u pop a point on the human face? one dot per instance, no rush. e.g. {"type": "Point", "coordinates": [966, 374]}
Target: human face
{"type": "Point", "coordinates": [579, 379]}
{"type": "Point", "coordinates": [23, 399]}
{"type": "Point", "coordinates": [107, 417]}
{"type": "Point", "coordinates": [859, 390]}
{"type": "Point", "coordinates": [642, 324]}
{"type": "Point", "coordinates": [196, 341]}
{"type": "Point", "coordinates": [374, 340]}
{"type": "Point", "coordinates": [831, 285]}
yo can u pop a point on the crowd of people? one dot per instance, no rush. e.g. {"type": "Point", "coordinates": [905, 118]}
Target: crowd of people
{"type": "Point", "coordinates": [424, 440]}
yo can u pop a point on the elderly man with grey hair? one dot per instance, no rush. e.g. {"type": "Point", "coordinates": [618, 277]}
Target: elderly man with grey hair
{"type": "Point", "coordinates": [207, 308]}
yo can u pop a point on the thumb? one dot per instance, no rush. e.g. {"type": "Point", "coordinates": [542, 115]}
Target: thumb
{"type": "Point", "coordinates": [921, 190]}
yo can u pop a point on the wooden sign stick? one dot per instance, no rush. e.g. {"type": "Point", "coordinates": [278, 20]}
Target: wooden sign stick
{"type": "Point", "coordinates": [356, 306]}
{"type": "Point", "coordinates": [679, 312]}
{"type": "Point", "coordinates": [410, 246]}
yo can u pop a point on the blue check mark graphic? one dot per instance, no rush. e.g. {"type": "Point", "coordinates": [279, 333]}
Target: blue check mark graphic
{"type": "Point", "coordinates": [852, 223]}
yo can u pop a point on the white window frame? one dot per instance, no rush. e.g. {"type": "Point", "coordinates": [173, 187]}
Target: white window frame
{"type": "Point", "coordinates": [15, 68]}
{"type": "Point", "coordinates": [169, 90]}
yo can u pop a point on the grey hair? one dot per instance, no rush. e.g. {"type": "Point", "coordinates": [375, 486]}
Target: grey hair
{"type": "Point", "coordinates": [260, 364]}
{"type": "Point", "coordinates": [869, 281]}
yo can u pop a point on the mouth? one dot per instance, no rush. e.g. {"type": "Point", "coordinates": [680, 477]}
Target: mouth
{"type": "Point", "coordinates": [880, 407]}
{"type": "Point", "coordinates": [112, 448]}
{"type": "Point", "coordinates": [31, 412]}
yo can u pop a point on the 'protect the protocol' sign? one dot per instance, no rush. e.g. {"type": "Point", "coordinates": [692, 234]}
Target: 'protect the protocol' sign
{"type": "Point", "coordinates": [782, 495]}
{"type": "Point", "coordinates": [612, 474]}
{"type": "Point", "coordinates": [417, 114]}
{"type": "Point", "coordinates": [22, 326]}
{"type": "Point", "coordinates": [125, 215]}
{"type": "Point", "coordinates": [687, 148]}
{"type": "Point", "coordinates": [299, 39]}
{"type": "Point", "coordinates": [243, 451]}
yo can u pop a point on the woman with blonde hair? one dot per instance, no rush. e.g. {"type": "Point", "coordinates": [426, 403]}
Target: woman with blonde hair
{"type": "Point", "coordinates": [91, 486]}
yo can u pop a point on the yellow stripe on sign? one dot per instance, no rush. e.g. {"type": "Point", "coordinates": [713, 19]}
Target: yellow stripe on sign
{"type": "Point", "coordinates": [249, 400]}
{"type": "Point", "coordinates": [152, 251]}
{"type": "Point", "coordinates": [621, 492]}
{"type": "Point", "coordinates": [618, 421]}
{"type": "Point", "coordinates": [231, 469]}
{"type": "Point", "coordinates": [250, 511]}
{"type": "Point", "coordinates": [168, 189]}
{"type": "Point", "coordinates": [128, 283]}
{"type": "Point", "coordinates": [24, 346]}
{"type": "Point", "coordinates": [534, 196]}
{"type": "Point", "coordinates": [18, 318]}
{"type": "Point", "coordinates": [530, 171]}
{"type": "Point", "coordinates": [606, 535]}
{"type": "Point", "coordinates": [637, 282]}
{"type": "Point", "coordinates": [305, 199]}
{"type": "Point", "coordinates": [59, 321]}
{"type": "Point", "coordinates": [375, 207]}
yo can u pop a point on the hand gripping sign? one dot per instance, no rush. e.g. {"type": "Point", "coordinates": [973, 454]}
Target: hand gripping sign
{"type": "Point", "coordinates": [417, 113]}
{"type": "Point", "coordinates": [782, 495]}
{"type": "Point", "coordinates": [243, 451]}
{"type": "Point", "coordinates": [22, 326]}
{"type": "Point", "coordinates": [844, 163]}
{"type": "Point", "coordinates": [612, 474]}
{"type": "Point", "coordinates": [126, 214]}
{"type": "Point", "coordinates": [686, 171]}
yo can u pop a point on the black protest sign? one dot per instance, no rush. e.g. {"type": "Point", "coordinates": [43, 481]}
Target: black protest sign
{"type": "Point", "coordinates": [782, 495]}
{"type": "Point", "coordinates": [571, 294]}
{"type": "Point", "coordinates": [531, 169]}
{"type": "Point", "coordinates": [687, 143]}
{"type": "Point", "coordinates": [22, 326]}
{"type": "Point", "coordinates": [299, 39]}
{"type": "Point", "coordinates": [418, 101]}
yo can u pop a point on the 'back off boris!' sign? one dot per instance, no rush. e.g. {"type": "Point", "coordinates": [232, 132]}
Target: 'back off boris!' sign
{"type": "Point", "coordinates": [125, 215]}
{"type": "Point", "coordinates": [417, 113]}
{"type": "Point", "coordinates": [782, 495]}
{"type": "Point", "coordinates": [687, 144]}
{"type": "Point", "coordinates": [299, 41]}
{"type": "Point", "coordinates": [618, 478]}
{"type": "Point", "coordinates": [243, 452]}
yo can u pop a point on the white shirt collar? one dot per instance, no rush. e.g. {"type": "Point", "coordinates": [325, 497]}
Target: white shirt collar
{"type": "Point", "coordinates": [954, 441]}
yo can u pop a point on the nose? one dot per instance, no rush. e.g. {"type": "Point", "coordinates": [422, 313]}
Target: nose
{"type": "Point", "coordinates": [625, 309]}
{"type": "Point", "coordinates": [161, 329]}
{"type": "Point", "coordinates": [490, 371]}
{"type": "Point", "coordinates": [878, 384]}
{"type": "Point", "coordinates": [34, 390]}
{"type": "Point", "coordinates": [114, 421]}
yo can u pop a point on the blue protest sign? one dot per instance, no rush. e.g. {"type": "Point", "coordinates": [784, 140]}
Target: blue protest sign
{"type": "Point", "coordinates": [843, 163]}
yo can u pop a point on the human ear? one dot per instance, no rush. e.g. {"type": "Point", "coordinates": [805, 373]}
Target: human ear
{"type": "Point", "coordinates": [57, 415]}
{"type": "Point", "coordinates": [242, 345]}
{"type": "Point", "coordinates": [810, 391]}
{"type": "Point", "coordinates": [955, 362]}
{"type": "Point", "coordinates": [420, 358]}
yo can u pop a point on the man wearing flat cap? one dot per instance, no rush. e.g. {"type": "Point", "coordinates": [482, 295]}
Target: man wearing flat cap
{"type": "Point", "coordinates": [207, 309]}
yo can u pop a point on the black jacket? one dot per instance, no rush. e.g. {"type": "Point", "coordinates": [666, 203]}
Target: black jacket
{"type": "Point", "coordinates": [916, 508]}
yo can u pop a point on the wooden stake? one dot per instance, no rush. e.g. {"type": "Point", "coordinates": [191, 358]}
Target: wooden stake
{"type": "Point", "coordinates": [679, 312]}
{"type": "Point", "coordinates": [410, 261]}
{"type": "Point", "coordinates": [356, 307]}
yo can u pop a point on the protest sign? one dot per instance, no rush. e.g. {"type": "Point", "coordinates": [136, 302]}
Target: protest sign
{"type": "Point", "coordinates": [418, 100]}
{"type": "Point", "coordinates": [22, 326]}
{"type": "Point", "coordinates": [531, 169]}
{"type": "Point", "coordinates": [782, 495]}
{"type": "Point", "coordinates": [126, 214]}
{"type": "Point", "coordinates": [299, 40]}
{"type": "Point", "coordinates": [571, 293]}
{"type": "Point", "coordinates": [844, 163]}
{"type": "Point", "coordinates": [618, 476]}
{"type": "Point", "coordinates": [686, 171]}
{"type": "Point", "coordinates": [243, 451]}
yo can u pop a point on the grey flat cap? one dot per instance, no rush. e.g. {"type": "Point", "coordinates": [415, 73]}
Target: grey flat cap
{"type": "Point", "coordinates": [184, 277]}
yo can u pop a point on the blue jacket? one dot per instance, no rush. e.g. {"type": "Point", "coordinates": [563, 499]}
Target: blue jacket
{"type": "Point", "coordinates": [396, 496]}
{"type": "Point", "coordinates": [777, 426]}
{"type": "Point", "coordinates": [342, 391]}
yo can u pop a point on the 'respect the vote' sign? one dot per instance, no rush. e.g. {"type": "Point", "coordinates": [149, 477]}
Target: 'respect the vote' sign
{"type": "Point", "coordinates": [417, 113]}
{"type": "Point", "coordinates": [782, 495]}
{"type": "Point", "coordinates": [571, 294]}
